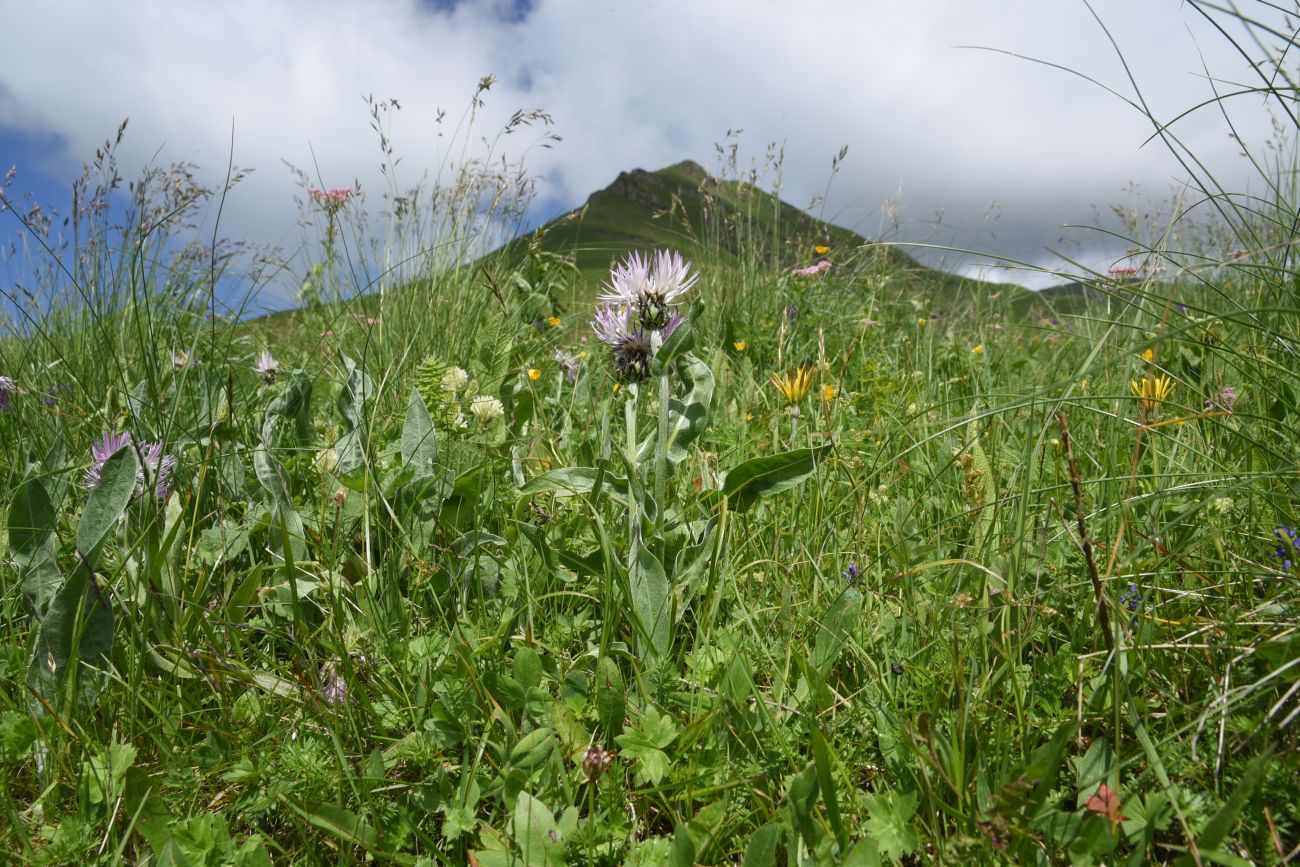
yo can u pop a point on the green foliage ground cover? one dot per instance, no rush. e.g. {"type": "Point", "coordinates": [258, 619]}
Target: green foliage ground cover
{"type": "Point", "coordinates": [1001, 585]}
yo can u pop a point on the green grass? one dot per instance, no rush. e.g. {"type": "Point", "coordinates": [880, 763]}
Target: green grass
{"type": "Point", "coordinates": [369, 624]}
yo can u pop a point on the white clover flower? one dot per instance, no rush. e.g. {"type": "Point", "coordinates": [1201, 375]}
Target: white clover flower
{"type": "Point", "coordinates": [327, 460]}
{"type": "Point", "coordinates": [486, 409]}
{"type": "Point", "coordinates": [455, 380]}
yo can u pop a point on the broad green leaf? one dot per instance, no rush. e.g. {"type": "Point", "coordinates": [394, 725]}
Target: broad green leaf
{"type": "Point", "coordinates": [1221, 823]}
{"type": "Point", "coordinates": [688, 416]}
{"type": "Point", "coordinates": [681, 341]}
{"type": "Point", "coordinates": [836, 626]}
{"type": "Point", "coordinates": [32, 543]}
{"type": "Point", "coordinates": [889, 823]}
{"type": "Point", "coordinates": [104, 775]}
{"type": "Point", "coordinates": [535, 833]}
{"type": "Point", "coordinates": [1096, 767]}
{"type": "Point", "coordinates": [75, 636]}
{"type": "Point", "coordinates": [651, 603]}
{"type": "Point", "coordinates": [290, 410]}
{"type": "Point", "coordinates": [575, 482]}
{"type": "Point", "coordinates": [276, 483]}
{"type": "Point", "coordinates": [761, 849]}
{"type": "Point", "coordinates": [645, 743]}
{"type": "Point", "coordinates": [765, 476]}
{"type": "Point", "coordinates": [801, 797]}
{"type": "Point", "coordinates": [682, 852]}
{"type": "Point", "coordinates": [107, 502]}
{"type": "Point", "coordinates": [353, 398]}
{"type": "Point", "coordinates": [534, 749]}
{"type": "Point", "coordinates": [610, 696]}
{"type": "Point", "coordinates": [419, 450]}
{"type": "Point", "coordinates": [346, 826]}
{"type": "Point", "coordinates": [826, 782]}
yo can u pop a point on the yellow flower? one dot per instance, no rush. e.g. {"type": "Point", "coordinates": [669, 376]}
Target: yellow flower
{"type": "Point", "coordinates": [1152, 391]}
{"type": "Point", "coordinates": [1149, 355]}
{"type": "Point", "coordinates": [534, 374]}
{"type": "Point", "coordinates": [920, 320]}
{"type": "Point", "coordinates": [828, 392]}
{"type": "Point", "coordinates": [740, 345]}
{"type": "Point", "coordinates": [553, 321]}
{"type": "Point", "coordinates": [821, 249]}
{"type": "Point", "coordinates": [794, 385]}
{"type": "Point", "coordinates": [978, 349]}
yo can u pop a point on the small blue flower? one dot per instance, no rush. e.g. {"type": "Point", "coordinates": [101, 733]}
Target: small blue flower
{"type": "Point", "coordinates": [1286, 540]}
{"type": "Point", "coordinates": [1132, 599]}
{"type": "Point", "coordinates": [851, 575]}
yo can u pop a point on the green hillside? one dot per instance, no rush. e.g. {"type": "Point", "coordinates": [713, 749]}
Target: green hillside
{"type": "Point", "coordinates": [729, 225]}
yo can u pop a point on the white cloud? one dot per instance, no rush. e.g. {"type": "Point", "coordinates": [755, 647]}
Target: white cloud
{"type": "Point", "coordinates": [641, 84]}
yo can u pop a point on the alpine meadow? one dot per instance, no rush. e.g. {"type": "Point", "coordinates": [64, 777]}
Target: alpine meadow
{"type": "Point", "coordinates": [684, 529]}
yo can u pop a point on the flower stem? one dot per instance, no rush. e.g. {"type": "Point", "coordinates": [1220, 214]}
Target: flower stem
{"type": "Point", "coordinates": [661, 453]}
{"type": "Point", "coordinates": [634, 504]}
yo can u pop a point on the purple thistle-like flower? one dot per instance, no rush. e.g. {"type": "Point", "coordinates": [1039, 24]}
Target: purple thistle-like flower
{"type": "Point", "coordinates": [569, 363]}
{"type": "Point", "coordinates": [8, 388]}
{"type": "Point", "coordinates": [333, 688]}
{"type": "Point", "coordinates": [649, 287]}
{"type": "Point", "coordinates": [851, 575]}
{"type": "Point", "coordinates": [100, 452]}
{"type": "Point", "coordinates": [155, 468]}
{"type": "Point", "coordinates": [1224, 401]}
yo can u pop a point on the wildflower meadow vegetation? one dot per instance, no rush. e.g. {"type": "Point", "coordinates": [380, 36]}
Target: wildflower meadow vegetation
{"type": "Point", "coordinates": [754, 544]}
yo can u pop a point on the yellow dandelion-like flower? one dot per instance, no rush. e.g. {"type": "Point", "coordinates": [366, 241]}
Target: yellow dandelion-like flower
{"type": "Point", "coordinates": [920, 320]}
{"type": "Point", "coordinates": [1152, 391]}
{"type": "Point", "coordinates": [1149, 356]}
{"type": "Point", "coordinates": [553, 321]}
{"type": "Point", "coordinates": [821, 249]}
{"type": "Point", "coordinates": [794, 385]}
{"type": "Point", "coordinates": [978, 349]}
{"type": "Point", "coordinates": [740, 345]}
{"type": "Point", "coordinates": [828, 392]}
{"type": "Point", "coordinates": [534, 374]}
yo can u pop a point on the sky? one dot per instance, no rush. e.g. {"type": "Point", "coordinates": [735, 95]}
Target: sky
{"type": "Point", "coordinates": [951, 139]}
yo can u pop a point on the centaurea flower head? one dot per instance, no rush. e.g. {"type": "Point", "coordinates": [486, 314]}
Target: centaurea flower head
{"type": "Point", "coordinates": [266, 366]}
{"type": "Point", "coordinates": [7, 390]}
{"type": "Point", "coordinates": [159, 467]}
{"type": "Point", "coordinates": [632, 349]}
{"type": "Point", "coordinates": [569, 363]}
{"type": "Point", "coordinates": [650, 287]}
{"type": "Point", "coordinates": [100, 452]}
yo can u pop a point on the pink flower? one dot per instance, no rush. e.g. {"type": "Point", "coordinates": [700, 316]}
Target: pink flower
{"type": "Point", "coordinates": [812, 270]}
{"type": "Point", "coordinates": [331, 199]}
